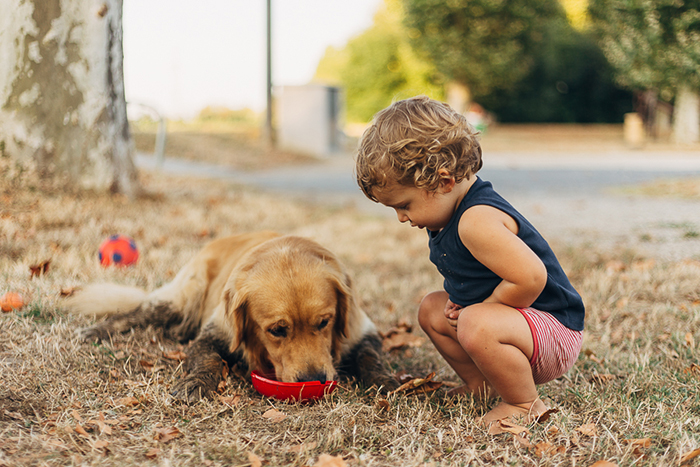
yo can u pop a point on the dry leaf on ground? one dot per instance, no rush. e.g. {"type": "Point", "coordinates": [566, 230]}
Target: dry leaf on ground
{"type": "Point", "coordinates": [641, 442]}
{"type": "Point", "coordinates": [588, 429]}
{"type": "Point", "coordinates": [126, 402]}
{"type": "Point", "coordinates": [177, 355]}
{"type": "Point", "coordinates": [603, 464]}
{"type": "Point", "coordinates": [601, 379]}
{"type": "Point", "coordinates": [399, 337]}
{"type": "Point", "coordinates": [419, 386]}
{"type": "Point", "coordinates": [274, 415]}
{"type": "Point", "coordinates": [231, 401]}
{"type": "Point", "coordinates": [255, 461]}
{"type": "Point", "coordinates": [153, 453]}
{"type": "Point", "coordinates": [544, 416]}
{"type": "Point", "coordinates": [689, 455]}
{"type": "Point", "coordinates": [506, 426]}
{"type": "Point", "coordinates": [326, 460]}
{"type": "Point", "coordinates": [39, 269]}
{"type": "Point", "coordinates": [163, 435]}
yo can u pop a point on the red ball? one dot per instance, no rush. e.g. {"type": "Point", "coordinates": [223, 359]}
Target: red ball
{"type": "Point", "coordinates": [119, 250]}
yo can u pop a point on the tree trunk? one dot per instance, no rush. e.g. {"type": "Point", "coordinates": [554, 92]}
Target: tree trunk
{"type": "Point", "coordinates": [686, 117]}
{"type": "Point", "coordinates": [62, 102]}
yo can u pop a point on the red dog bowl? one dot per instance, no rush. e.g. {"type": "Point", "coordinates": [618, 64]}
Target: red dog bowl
{"type": "Point", "coordinates": [302, 392]}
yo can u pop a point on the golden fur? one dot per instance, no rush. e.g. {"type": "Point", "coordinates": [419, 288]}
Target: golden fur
{"type": "Point", "coordinates": [277, 303]}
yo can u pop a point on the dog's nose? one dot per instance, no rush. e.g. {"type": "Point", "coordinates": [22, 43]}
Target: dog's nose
{"type": "Point", "coordinates": [318, 376]}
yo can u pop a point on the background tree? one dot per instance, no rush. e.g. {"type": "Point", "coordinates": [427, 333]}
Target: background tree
{"type": "Point", "coordinates": [62, 102]}
{"type": "Point", "coordinates": [655, 46]}
{"type": "Point", "coordinates": [485, 45]}
{"type": "Point", "coordinates": [378, 66]}
{"type": "Point", "coordinates": [570, 81]}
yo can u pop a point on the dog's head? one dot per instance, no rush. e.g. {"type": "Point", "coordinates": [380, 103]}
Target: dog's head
{"type": "Point", "coordinates": [288, 305]}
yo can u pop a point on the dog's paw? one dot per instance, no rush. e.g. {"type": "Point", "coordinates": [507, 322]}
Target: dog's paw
{"type": "Point", "coordinates": [192, 388]}
{"type": "Point", "coordinates": [94, 333]}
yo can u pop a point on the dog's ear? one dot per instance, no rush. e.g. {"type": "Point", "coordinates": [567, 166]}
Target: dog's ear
{"type": "Point", "coordinates": [344, 304]}
{"type": "Point", "coordinates": [236, 313]}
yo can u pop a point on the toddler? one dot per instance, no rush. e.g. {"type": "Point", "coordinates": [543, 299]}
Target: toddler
{"type": "Point", "coordinates": [508, 318]}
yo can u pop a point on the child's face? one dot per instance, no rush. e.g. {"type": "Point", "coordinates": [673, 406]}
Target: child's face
{"type": "Point", "coordinates": [422, 208]}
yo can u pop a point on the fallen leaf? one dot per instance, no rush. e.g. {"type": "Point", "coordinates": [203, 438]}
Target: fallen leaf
{"type": "Point", "coordinates": [615, 266]}
{"type": "Point", "coordinates": [163, 435]}
{"type": "Point", "coordinates": [255, 461]}
{"type": "Point", "coordinates": [588, 429]}
{"type": "Point", "coordinates": [101, 444]}
{"type": "Point", "coordinates": [544, 416]}
{"type": "Point", "coordinates": [177, 355]}
{"type": "Point", "coordinates": [231, 401]}
{"type": "Point", "coordinates": [692, 369]}
{"type": "Point", "coordinates": [67, 291]}
{"type": "Point", "coordinates": [524, 442]}
{"type": "Point", "coordinates": [382, 405]}
{"type": "Point", "coordinates": [506, 426]}
{"type": "Point", "coordinates": [299, 448]}
{"type": "Point", "coordinates": [326, 460]}
{"type": "Point", "coordinates": [76, 416]}
{"type": "Point", "coordinates": [400, 339]}
{"type": "Point", "coordinates": [419, 386]}
{"type": "Point", "coordinates": [146, 365]}
{"type": "Point", "coordinates": [126, 402]}
{"type": "Point", "coordinates": [689, 340]}
{"type": "Point", "coordinates": [153, 453]}
{"type": "Point", "coordinates": [603, 464]}
{"type": "Point", "coordinates": [544, 447]}
{"type": "Point", "coordinates": [274, 415]}
{"type": "Point", "coordinates": [601, 379]}
{"type": "Point", "coordinates": [641, 442]}
{"type": "Point", "coordinates": [81, 431]}
{"type": "Point", "coordinates": [39, 269]}
{"type": "Point", "coordinates": [689, 455]}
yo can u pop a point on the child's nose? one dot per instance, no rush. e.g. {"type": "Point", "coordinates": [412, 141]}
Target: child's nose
{"type": "Point", "coordinates": [402, 217]}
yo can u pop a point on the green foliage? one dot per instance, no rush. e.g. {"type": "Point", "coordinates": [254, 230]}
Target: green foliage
{"type": "Point", "coordinates": [570, 82]}
{"type": "Point", "coordinates": [378, 66]}
{"type": "Point", "coordinates": [651, 45]}
{"type": "Point", "coordinates": [484, 44]}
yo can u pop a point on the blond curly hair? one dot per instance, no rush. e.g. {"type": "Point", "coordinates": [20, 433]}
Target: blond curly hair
{"type": "Point", "coordinates": [410, 141]}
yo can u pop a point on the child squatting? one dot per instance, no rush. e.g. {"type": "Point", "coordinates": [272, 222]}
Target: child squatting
{"type": "Point", "coordinates": [508, 318]}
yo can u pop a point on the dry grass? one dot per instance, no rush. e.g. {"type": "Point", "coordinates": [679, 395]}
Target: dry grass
{"type": "Point", "coordinates": [237, 145]}
{"type": "Point", "coordinates": [64, 402]}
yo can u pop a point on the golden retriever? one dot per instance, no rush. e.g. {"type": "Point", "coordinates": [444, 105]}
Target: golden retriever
{"type": "Point", "coordinates": [276, 303]}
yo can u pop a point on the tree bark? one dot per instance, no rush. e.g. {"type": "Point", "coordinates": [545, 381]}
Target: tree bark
{"type": "Point", "coordinates": [686, 117]}
{"type": "Point", "coordinates": [62, 101]}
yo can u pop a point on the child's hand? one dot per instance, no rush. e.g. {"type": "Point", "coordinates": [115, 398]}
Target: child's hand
{"type": "Point", "coordinates": [452, 312]}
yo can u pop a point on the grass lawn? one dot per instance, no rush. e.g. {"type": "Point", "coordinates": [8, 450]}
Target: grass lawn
{"type": "Point", "coordinates": [631, 399]}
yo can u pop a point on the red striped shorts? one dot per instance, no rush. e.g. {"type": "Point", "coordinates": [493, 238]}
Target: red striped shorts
{"type": "Point", "coordinates": [556, 347]}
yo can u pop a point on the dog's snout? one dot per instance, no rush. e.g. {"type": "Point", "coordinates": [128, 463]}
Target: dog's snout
{"type": "Point", "coordinates": [315, 376]}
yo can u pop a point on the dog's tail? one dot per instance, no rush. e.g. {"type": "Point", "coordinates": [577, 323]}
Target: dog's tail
{"type": "Point", "coordinates": [104, 299]}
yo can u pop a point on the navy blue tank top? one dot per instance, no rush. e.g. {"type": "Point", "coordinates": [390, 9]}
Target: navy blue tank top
{"type": "Point", "coordinates": [467, 281]}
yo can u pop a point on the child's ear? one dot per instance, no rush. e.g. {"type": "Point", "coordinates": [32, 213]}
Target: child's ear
{"type": "Point", "coordinates": [447, 181]}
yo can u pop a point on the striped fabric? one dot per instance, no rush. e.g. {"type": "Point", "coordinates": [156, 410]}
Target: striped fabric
{"type": "Point", "coordinates": [556, 346]}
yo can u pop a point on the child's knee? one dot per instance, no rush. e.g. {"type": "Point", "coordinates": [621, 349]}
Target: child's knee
{"type": "Point", "coordinates": [472, 329]}
{"type": "Point", "coordinates": [430, 309]}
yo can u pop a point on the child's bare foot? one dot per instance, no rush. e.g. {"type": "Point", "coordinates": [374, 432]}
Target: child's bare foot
{"type": "Point", "coordinates": [530, 411]}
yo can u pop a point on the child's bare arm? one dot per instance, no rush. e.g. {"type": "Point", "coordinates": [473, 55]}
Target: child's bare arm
{"type": "Point", "coordinates": [491, 236]}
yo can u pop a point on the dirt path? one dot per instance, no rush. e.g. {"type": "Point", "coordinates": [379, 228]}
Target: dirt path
{"type": "Point", "coordinates": [566, 179]}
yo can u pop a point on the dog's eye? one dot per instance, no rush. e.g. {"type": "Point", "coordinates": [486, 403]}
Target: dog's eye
{"type": "Point", "coordinates": [323, 324]}
{"type": "Point", "coordinates": [278, 331]}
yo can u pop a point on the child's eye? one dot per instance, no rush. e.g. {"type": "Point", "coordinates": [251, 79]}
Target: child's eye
{"type": "Point", "coordinates": [404, 207]}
